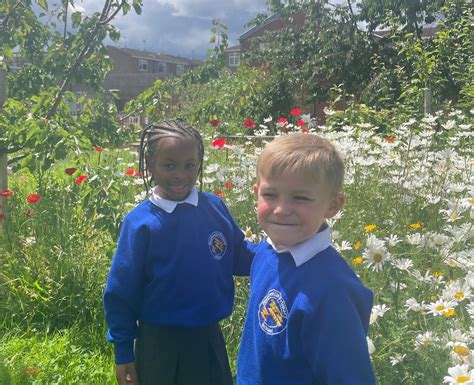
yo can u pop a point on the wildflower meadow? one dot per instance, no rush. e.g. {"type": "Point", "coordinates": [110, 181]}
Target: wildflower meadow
{"type": "Point", "coordinates": [389, 83]}
{"type": "Point", "coordinates": [406, 230]}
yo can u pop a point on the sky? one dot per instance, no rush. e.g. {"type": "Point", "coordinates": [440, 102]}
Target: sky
{"type": "Point", "coordinates": [179, 27]}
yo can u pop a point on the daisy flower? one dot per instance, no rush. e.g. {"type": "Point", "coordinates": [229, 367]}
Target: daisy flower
{"type": "Point", "coordinates": [460, 374]}
{"type": "Point", "coordinates": [375, 255]}
{"type": "Point", "coordinates": [440, 307]}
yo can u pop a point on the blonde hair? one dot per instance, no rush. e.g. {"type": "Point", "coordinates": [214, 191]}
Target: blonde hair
{"type": "Point", "coordinates": [308, 156]}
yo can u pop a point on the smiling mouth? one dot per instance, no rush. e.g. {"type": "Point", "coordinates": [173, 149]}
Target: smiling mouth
{"type": "Point", "coordinates": [179, 189]}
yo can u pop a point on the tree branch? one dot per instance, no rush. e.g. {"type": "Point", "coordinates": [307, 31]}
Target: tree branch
{"type": "Point", "coordinates": [104, 19]}
{"type": "Point", "coordinates": [7, 18]}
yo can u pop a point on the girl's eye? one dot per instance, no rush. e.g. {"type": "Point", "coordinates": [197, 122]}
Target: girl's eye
{"type": "Point", "coordinates": [268, 195]}
{"type": "Point", "coordinates": [190, 166]}
{"type": "Point", "coordinates": [168, 166]}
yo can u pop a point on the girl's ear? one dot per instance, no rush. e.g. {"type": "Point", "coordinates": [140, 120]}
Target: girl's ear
{"type": "Point", "coordinates": [255, 189]}
{"type": "Point", "coordinates": [337, 203]}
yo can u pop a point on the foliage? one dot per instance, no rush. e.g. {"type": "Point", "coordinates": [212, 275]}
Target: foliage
{"type": "Point", "coordinates": [328, 48]}
{"type": "Point", "coordinates": [411, 14]}
{"type": "Point", "coordinates": [231, 98]}
{"type": "Point", "coordinates": [406, 194]}
{"type": "Point", "coordinates": [443, 64]}
{"type": "Point", "coordinates": [67, 357]}
{"type": "Point", "coordinates": [38, 124]}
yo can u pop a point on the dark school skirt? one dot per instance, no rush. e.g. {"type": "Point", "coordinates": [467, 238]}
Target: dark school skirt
{"type": "Point", "coordinates": [181, 356]}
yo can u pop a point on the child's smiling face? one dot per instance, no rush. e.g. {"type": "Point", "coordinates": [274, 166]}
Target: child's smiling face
{"type": "Point", "coordinates": [291, 210]}
{"type": "Point", "coordinates": [175, 167]}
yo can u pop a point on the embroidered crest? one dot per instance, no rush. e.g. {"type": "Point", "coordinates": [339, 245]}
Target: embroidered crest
{"type": "Point", "coordinates": [272, 313]}
{"type": "Point", "coordinates": [217, 245]}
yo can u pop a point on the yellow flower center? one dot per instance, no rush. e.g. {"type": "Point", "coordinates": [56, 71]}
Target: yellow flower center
{"type": "Point", "coordinates": [377, 258]}
{"type": "Point", "coordinates": [415, 225]}
{"type": "Point", "coordinates": [248, 233]}
{"type": "Point", "coordinates": [459, 295]}
{"type": "Point", "coordinates": [440, 307]}
{"type": "Point", "coordinates": [471, 201]}
{"type": "Point", "coordinates": [462, 379]}
{"type": "Point", "coordinates": [357, 245]}
{"type": "Point", "coordinates": [437, 273]}
{"type": "Point", "coordinates": [462, 351]}
{"type": "Point", "coordinates": [453, 217]}
{"type": "Point", "coordinates": [357, 260]}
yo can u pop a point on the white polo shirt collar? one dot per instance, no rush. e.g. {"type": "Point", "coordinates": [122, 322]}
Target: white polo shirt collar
{"type": "Point", "coordinates": [169, 206]}
{"type": "Point", "coordinates": [304, 251]}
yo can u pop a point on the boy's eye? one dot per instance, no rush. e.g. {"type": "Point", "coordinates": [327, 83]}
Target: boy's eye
{"type": "Point", "coordinates": [191, 165]}
{"type": "Point", "coordinates": [168, 166]}
{"type": "Point", "coordinates": [302, 198]}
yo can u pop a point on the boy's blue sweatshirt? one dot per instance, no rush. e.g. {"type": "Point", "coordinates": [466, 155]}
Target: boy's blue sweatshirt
{"type": "Point", "coordinates": [305, 325]}
{"type": "Point", "coordinates": [173, 269]}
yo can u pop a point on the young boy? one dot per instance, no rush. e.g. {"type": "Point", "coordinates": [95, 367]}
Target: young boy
{"type": "Point", "coordinates": [308, 313]}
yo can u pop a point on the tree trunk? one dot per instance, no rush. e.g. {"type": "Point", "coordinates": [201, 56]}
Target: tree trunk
{"type": "Point", "coordinates": [3, 152]}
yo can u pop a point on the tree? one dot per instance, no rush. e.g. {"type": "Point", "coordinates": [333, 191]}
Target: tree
{"type": "Point", "coordinates": [408, 14]}
{"type": "Point", "coordinates": [329, 48]}
{"type": "Point", "coordinates": [38, 124]}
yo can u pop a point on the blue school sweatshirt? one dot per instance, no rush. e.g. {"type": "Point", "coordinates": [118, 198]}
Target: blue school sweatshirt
{"type": "Point", "coordinates": [305, 325]}
{"type": "Point", "coordinates": [173, 269]}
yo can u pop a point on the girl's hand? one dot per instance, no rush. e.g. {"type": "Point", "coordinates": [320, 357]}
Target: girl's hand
{"type": "Point", "coordinates": [126, 374]}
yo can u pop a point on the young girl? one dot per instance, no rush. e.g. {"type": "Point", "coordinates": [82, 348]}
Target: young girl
{"type": "Point", "coordinates": [170, 282]}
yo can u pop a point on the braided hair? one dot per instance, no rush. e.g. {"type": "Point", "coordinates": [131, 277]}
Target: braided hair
{"type": "Point", "coordinates": [151, 135]}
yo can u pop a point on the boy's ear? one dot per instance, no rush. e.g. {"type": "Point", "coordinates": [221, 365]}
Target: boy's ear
{"type": "Point", "coordinates": [337, 203]}
{"type": "Point", "coordinates": [255, 189]}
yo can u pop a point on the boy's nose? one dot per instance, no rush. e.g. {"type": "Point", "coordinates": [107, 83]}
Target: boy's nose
{"type": "Point", "coordinates": [282, 208]}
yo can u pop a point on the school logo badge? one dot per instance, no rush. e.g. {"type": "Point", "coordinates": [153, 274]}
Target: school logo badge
{"type": "Point", "coordinates": [272, 313]}
{"type": "Point", "coordinates": [217, 245]}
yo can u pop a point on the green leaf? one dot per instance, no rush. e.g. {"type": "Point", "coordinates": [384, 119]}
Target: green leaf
{"type": "Point", "coordinates": [76, 18]}
{"type": "Point", "coordinates": [43, 4]}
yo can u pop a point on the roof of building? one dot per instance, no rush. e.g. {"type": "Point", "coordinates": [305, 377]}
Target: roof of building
{"type": "Point", "coordinates": [147, 55]}
{"type": "Point", "coordinates": [234, 48]}
{"type": "Point", "coordinates": [259, 27]}
{"type": "Point", "coordinates": [427, 32]}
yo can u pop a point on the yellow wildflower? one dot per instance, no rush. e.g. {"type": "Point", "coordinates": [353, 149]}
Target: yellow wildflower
{"type": "Point", "coordinates": [370, 228]}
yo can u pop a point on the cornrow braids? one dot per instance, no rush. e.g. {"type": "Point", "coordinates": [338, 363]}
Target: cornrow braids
{"type": "Point", "coordinates": [152, 134]}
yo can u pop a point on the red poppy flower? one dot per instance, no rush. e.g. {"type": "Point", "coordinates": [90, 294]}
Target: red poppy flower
{"type": "Point", "coordinates": [249, 123]}
{"type": "Point", "coordinates": [228, 185]}
{"type": "Point", "coordinates": [305, 130]}
{"type": "Point", "coordinates": [390, 138]}
{"type": "Point", "coordinates": [300, 123]}
{"type": "Point", "coordinates": [70, 170]}
{"type": "Point", "coordinates": [130, 172]}
{"type": "Point", "coordinates": [296, 111]}
{"type": "Point", "coordinates": [33, 198]}
{"type": "Point", "coordinates": [283, 121]}
{"type": "Point", "coordinates": [218, 193]}
{"type": "Point", "coordinates": [215, 122]}
{"type": "Point", "coordinates": [6, 193]}
{"type": "Point", "coordinates": [80, 179]}
{"type": "Point", "coordinates": [218, 143]}
{"type": "Point", "coordinates": [98, 149]}
{"type": "Point", "coordinates": [137, 173]}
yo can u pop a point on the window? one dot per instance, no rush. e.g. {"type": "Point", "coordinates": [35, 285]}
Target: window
{"type": "Point", "coordinates": [180, 68]}
{"type": "Point", "coordinates": [162, 67]}
{"type": "Point", "coordinates": [234, 59]}
{"type": "Point", "coordinates": [142, 65]}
